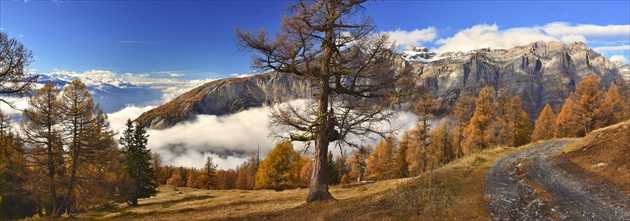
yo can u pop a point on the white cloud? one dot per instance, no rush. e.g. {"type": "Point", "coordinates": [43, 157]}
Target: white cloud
{"type": "Point", "coordinates": [230, 139]}
{"type": "Point", "coordinates": [618, 48]}
{"type": "Point", "coordinates": [173, 91]}
{"type": "Point", "coordinates": [237, 135]}
{"type": "Point", "coordinates": [415, 37]}
{"type": "Point", "coordinates": [119, 119]}
{"type": "Point", "coordinates": [589, 31]}
{"type": "Point", "coordinates": [619, 59]}
{"type": "Point", "coordinates": [235, 75]}
{"type": "Point", "coordinates": [573, 38]}
{"type": "Point", "coordinates": [489, 36]}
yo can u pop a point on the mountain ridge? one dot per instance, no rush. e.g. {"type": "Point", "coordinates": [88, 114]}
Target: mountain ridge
{"type": "Point", "coordinates": [539, 72]}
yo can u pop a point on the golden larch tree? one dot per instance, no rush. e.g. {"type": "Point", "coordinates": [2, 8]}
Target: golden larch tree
{"type": "Point", "coordinates": [589, 100]}
{"type": "Point", "coordinates": [280, 169]}
{"type": "Point", "coordinates": [545, 125]}
{"type": "Point", "coordinates": [615, 108]}
{"type": "Point", "coordinates": [567, 120]}
{"type": "Point", "coordinates": [462, 112]}
{"type": "Point", "coordinates": [381, 161]}
{"type": "Point", "coordinates": [477, 133]}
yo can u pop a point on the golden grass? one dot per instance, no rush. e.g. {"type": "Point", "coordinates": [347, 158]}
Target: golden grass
{"type": "Point", "coordinates": [602, 155]}
{"type": "Point", "coordinates": [454, 191]}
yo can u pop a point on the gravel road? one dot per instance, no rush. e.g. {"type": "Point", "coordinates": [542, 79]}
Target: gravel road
{"type": "Point", "coordinates": [526, 186]}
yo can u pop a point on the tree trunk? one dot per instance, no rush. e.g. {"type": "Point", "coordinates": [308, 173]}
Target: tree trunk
{"type": "Point", "coordinates": [134, 201]}
{"type": "Point", "coordinates": [318, 187]}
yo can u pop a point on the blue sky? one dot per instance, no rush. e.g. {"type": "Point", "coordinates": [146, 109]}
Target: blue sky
{"type": "Point", "coordinates": [184, 40]}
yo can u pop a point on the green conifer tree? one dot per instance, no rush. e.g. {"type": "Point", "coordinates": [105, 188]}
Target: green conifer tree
{"type": "Point", "coordinates": [137, 162]}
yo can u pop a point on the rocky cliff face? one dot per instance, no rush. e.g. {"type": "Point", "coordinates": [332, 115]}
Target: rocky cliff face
{"type": "Point", "coordinates": [540, 73]}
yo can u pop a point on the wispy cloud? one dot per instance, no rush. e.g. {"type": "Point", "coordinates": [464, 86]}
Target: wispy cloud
{"type": "Point", "coordinates": [140, 42]}
{"type": "Point", "coordinates": [613, 49]}
{"type": "Point", "coordinates": [589, 31]}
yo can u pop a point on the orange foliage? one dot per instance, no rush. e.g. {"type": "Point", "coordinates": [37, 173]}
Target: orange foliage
{"type": "Point", "coordinates": [545, 125]}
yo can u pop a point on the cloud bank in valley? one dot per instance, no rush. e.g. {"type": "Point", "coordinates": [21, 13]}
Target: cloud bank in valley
{"type": "Point", "coordinates": [230, 139]}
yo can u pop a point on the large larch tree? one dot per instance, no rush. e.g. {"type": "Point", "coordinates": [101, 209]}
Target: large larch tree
{"type": "Point", "coordinates": [328, 44]}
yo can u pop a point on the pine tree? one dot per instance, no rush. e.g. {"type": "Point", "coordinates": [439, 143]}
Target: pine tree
{"type": "Point", "coordinates": [137, 162]}
{"type": "Point", "coordinates": [331, 173]}
{"type": "Point", "coordinates": [545, 125]}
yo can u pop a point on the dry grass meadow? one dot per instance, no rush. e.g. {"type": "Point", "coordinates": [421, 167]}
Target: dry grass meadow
{"type": "Point", "coordinates": [454, 191]}
{"type": "Point", "coordinates": [603, 155]}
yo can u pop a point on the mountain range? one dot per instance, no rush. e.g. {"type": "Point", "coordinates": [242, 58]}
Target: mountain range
{"type": "Point", "coordinates": [112, 94]}
{"type": "Point", "coordinates": [541, 73]}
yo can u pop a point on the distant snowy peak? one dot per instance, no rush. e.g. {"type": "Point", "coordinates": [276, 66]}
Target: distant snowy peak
{"type": "Point", "coordinates": [422, 54]}
{"type": "Point", "coordinates": [111, 93]}
{"type": "Point", "coordinates": [60, 78]}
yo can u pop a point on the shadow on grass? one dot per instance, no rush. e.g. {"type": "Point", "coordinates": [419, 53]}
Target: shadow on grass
{"type": "Point", "coordinates": [165, 204]}
{"type": "Point", "coordinates": [172, 202]}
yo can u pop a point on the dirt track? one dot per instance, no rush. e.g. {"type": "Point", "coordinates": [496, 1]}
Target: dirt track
{"type": "Point", "coordinates": [525, 186]}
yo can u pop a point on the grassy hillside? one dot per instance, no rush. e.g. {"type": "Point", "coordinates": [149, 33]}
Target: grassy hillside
{"type": "Point", "coordinates": [450, 192]}
{"type": "Point", "coordinates": [603, 154]}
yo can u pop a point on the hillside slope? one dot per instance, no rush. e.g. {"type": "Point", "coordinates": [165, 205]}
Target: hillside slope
{"type": "Point", "coordinates": [604, 152]}
{"type": "Point", "coordinates": [540, 73]}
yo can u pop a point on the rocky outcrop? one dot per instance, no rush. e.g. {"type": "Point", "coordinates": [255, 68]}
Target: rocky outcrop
{"type": "Point", "coordinates": [227, 96]}
{"type": "Point", "coordinates": [540, 73]}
